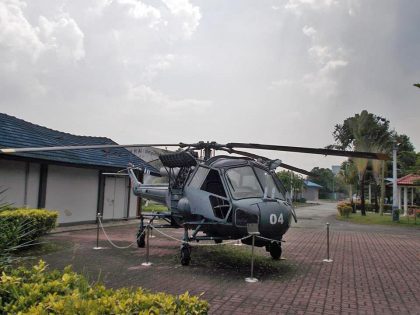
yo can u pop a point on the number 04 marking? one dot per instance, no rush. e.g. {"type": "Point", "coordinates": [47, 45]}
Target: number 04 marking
{"type": "Point", "coordinates": [274, 219]}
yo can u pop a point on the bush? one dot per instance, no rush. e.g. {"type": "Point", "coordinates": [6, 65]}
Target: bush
{"type": "Point", "coordinates": [36, 291]}
{"type": "Point", "coordinates": [20, 228]}
{"type": "Point", "coordinates": [35, 223]}
{"type": "Point", "coordinates": [344, 209]}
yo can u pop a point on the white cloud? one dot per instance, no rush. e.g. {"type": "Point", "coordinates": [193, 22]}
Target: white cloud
{"type": "Point", "coordinates": [188, 14]}
{"type": "Point", "coordinates": [16, 33]}
{"type": "Point", "coordinates": [60, 34]}
{"type": "Point", "coordinates": [297, 6]}
{"type": "Point", "coordinates": [309, 31]}
{"type": "Point", "coordinates": [145, 96]}
{"type": "Point", "coordinates": [139, 10]}
{"type": "Point", "coordinates": [63, 36]}
{"type": "Point", "coordinates": [157, 64]}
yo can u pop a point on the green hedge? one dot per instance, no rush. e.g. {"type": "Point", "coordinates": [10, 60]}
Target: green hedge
{"type": "Point", "coordinates": [37, 291]}
{"type": "Point", "coordinates": [23, 226]}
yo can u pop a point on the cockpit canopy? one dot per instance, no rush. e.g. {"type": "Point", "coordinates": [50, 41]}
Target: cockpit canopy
{"type": "Point", "coordinates": [242, 181]}
{"type": "Point", "coordinates": [252, 182]}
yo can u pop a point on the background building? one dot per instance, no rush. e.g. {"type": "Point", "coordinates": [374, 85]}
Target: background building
{"type": "Point", "coordinates": [310, 190]}
{"type": "Point", "coordinates": [77, 183]}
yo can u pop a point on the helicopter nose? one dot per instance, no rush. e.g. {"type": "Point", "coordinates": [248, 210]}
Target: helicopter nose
{"type": "Point", "coordinates": [274, 219]}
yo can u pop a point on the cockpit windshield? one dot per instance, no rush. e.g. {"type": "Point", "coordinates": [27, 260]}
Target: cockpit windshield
{"type": "Point", "coordinates": [248, 182]}
{"type": "Point", "coordinates": [267, 181]}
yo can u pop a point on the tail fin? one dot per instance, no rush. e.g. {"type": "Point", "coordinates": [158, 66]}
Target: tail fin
{"type": "Point", "coordinates": [135, 183]}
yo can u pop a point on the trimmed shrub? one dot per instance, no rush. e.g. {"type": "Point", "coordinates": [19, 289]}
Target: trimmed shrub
{"type": "Point", "coordinates": [32, 223]}
{"type": "Point", "coordinates": [344, 209]}
{"type": "Point", "coordinates": [36, 291]}
{"type": "Point", "coordinates": [20, 228]}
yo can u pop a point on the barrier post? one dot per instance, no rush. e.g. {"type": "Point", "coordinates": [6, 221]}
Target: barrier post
{"type": "Point", "coordinates": [147, 263]}
{"type": "Point", "coordinates": [328, 245]}
{"type": "Point", "coordinates": [98, 218]}
{"type": "Point", "coordinates": [252, 230]}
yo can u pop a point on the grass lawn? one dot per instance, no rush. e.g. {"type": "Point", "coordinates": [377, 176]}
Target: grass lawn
{"type": "Point", "coordinates": [375, 218]}
{"type": "Point", "coordinates": [154, 207]}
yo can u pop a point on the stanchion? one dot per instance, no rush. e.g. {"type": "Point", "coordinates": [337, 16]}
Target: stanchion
{"type": "Point", "coordinates": [98, 218]}
{"type": "Point", "coordinates": [328, 245]}
{"type": "Point", "coordinates": [147, 263]}
{"type": "Point", "coordinates": [252, 230]}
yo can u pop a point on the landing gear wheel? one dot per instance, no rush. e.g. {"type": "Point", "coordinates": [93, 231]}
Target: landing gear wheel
{"type": "Point", "coordinates": [141, 238]}
{"type": "Point", "coordinates": [185, 254]}
{"type": "Point", "coordinates": [218, 241]}
{"type": "Point", "coordinates": [275, 250]}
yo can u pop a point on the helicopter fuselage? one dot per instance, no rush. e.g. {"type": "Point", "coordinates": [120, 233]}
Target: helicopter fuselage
{"type": "Point", "coordinates": [223, 195]}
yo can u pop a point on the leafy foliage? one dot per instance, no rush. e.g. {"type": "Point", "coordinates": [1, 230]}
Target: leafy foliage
{"type": "Point", "coordinates": [344, 209]}
{"type": "Point", "coordinates": [290, 181]}
{"type": "Point", "coordinates": [36, 222]}
{"type": "Point", "coordinates": [20, 228]}
{"type": "Point", "coordinates": [370, 132]}
{"type": "Point", "coordinates": [38, 291]}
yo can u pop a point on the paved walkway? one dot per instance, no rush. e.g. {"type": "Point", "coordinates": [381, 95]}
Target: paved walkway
{"type": "Point", "coordinates": [373, 272]}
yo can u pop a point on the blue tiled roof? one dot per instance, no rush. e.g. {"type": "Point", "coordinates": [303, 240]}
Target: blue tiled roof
{"type": "Point", "coordinates": [17, 133]}
{"type": "Point", "coordinates": [308, 183]}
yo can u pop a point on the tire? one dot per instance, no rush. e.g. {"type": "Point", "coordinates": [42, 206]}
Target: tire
{"type": "Point", "coordinates": [185, 255]}
{"type": "Point", "coordinates": [218, 241]}
{"type": "Point", "coordinates": [275, 250]}
{"type": "Point", "coordinates": [141, 238]}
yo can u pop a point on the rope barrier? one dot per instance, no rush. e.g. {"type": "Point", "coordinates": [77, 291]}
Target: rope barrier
{"type": "Point", "coordinates": [112, 243]}
{"type": "Point", "coordinates": [178, 240]}
{"type": "Point", "coordinates": [196, 244]}
{"type": "Point", "coordinates": [267, 239]}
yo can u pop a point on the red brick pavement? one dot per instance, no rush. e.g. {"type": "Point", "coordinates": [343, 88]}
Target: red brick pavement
{"type": "Point", "coordinates": [372, 272]}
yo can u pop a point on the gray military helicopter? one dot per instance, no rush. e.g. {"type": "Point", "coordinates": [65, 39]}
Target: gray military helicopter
{"type": "Point", "coordinates": [219, 195]}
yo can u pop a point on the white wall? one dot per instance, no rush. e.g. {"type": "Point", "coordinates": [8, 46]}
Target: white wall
{"type": "Point", "coordinates": [13, 176]}
{"type": "Point", "coordinates": [70, 190]}
{"type": "Point", "coordinates": [311, 194]}
{"type": "Point", "coordinates": [73, 192]}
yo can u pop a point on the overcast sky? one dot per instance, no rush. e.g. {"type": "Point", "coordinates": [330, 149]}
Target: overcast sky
{"type": "Point", "coordinates": [276, 72]}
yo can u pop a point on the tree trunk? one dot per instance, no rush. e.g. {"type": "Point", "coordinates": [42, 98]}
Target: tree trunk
{"type": "Point", "coordinates": [362, 195]}
{"type": "Point", "coordinates": [381, 204]}
{"type": "Point", "coordinates": [376, 199]}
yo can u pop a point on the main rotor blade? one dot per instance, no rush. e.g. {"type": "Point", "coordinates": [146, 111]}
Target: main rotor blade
{"type": "Point", "coordinates": [81, 147]}
{"type": "Point", "coordinates": [283, 165]}
{"type": "Point", "coordinates": [356, 154]}
{"type": "Point", "coordinates": [296, 169]}
{"type": "Point", "coordinates": [247, 154]}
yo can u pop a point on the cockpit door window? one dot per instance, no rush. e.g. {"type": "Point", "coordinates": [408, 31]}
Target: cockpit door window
{"type": "Point", "coordinates": [267, 181]}
{"type": "Point", "coordinates": [199, 177]}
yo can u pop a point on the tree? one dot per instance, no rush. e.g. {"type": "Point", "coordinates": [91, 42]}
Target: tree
{"type": "Point", "coordinates": [416, 167]}
{"type": "Point", "coordinates": [406, 156]}
{"type": "Point", "coordinates": [291, 181]}
{"type": "Point", "coordinates": [363, 132]}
